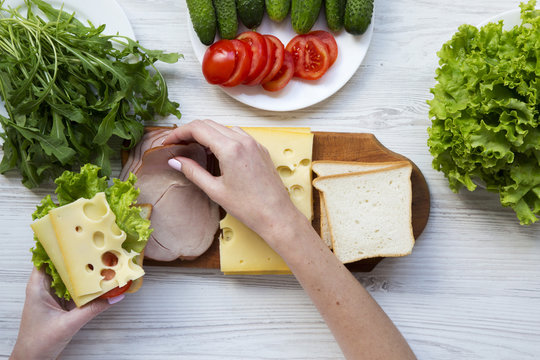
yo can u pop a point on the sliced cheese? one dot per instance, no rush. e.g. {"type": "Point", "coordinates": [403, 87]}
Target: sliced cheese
{"type": "Point", "coordinates": [44, 231]}
{"type": "Point", "coordinates": [76, 237]}
{"type": "Point", "coordinates": [291, 153]}
{"type": "Point", "coordinates": [304, 130]}
{"type": "Point", "coordinates": [241, 250]}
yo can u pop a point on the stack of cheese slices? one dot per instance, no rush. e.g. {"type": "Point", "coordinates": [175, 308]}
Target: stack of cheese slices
{"type": "Point", "coordinates": [365, 208]}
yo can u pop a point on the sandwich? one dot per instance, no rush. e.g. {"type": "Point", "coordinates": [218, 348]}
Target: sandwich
{"type": "Point", "coordinates": [91, 242]}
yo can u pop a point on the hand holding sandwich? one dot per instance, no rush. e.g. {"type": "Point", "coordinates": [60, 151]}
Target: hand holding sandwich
{"type": "Point", "coordinates": [46, 326]}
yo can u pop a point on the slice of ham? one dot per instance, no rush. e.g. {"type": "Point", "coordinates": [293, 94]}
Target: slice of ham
{"type": "Point", "coordinates": [184, 218]}
{"type": "Point", "coordinates": [148, 141]}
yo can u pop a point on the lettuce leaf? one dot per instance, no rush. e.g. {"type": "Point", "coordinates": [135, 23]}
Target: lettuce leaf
{"type": "Point", "coordinates": [71, 186]}
{"type": "Point", "coordinates": [485, 112]}
{"type": "Point", "coordinates": [121, 196]}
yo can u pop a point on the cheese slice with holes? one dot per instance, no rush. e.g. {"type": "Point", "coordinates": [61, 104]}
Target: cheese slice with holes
{"type": "Point", "coordinates": [241, 250]}
{"type": "Point", "coordinates": [78, 237]}
{"type": "Point", "coordinates": [291, 153]}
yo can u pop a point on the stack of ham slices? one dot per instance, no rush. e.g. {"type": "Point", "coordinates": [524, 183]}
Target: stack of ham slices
{"type": "Point", "coordinates": [183, 217]}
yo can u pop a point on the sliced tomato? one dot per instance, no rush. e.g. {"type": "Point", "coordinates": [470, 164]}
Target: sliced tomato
{"type": "Point", "coordinates": [311, 57]}
{"type": "Point", "coordinates": [259, 53]}
{"type": "Point", "coordinates": [277, 60]}
{"type": "Point", "coordinates": [284, 74]}
{"type": "Point", "coordinates": [296, 48]}
{"type": "Point", "coordinates": [270, 50]}
{"type": "Point", "coordinates": [243, 64]}
{"type": "Point", "coordinates": [330, 42]}
{"type": "Point", "coordinates": [219, 62]}
{"type": "Point", "coordinates": [116, 291]}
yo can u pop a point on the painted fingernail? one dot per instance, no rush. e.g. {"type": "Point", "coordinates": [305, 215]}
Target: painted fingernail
{"type": "Point", "coordinates": [175, 164]}
{"type": "Point", "coordinates": [116, 299]}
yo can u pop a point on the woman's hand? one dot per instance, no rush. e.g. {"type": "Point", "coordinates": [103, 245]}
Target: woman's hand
{"type": "Point", "coordinates": [249, 187]}
{"type": "Point", "coordinates": [46, 327]}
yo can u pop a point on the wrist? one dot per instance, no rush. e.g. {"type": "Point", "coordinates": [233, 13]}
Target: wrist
{"type": "Point", "coordinates": [30, 350]}
{"type": "Point", "coordinates": [287, 232]}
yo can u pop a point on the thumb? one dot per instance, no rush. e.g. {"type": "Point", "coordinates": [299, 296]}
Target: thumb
{"type": "Point", "coordinates": [78, 317]}
{"type": "Point", "coordinates": [194, 172]}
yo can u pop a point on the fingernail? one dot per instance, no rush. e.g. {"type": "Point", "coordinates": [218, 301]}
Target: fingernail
{"type": "Point", "coordinates": [116, 299]}
{"type": "Point", "coordinates": [175, 164]}
{"type": "Point", "coordinates": [162, 141]}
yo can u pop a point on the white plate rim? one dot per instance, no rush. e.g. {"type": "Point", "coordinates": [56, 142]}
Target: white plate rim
{"type": "Point", "coordinates": [105, 9]}
{"type": "Point", "coordinates": [510, 15]}
{"type": "Point", "coordinates": [241, 93]}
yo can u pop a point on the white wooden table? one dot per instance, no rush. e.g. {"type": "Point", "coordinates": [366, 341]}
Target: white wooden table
{"type": "Point", "coordinates": [470, 290]}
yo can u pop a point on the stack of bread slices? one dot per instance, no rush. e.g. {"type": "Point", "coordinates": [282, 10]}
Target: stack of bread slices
{"type": "Point", "coordinates": [365, 208]}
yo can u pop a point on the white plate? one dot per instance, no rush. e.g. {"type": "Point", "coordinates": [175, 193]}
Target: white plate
{"type": "Point", "coordinates": [298, 93]}
{"type": "Point", "coordinates": [99, 12]}
{"type": "Point", "coordinates": [510, 19]}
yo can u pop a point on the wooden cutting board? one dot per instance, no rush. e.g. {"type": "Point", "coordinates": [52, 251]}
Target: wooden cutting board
{"type": "Point", "coordinates": [344, 147]}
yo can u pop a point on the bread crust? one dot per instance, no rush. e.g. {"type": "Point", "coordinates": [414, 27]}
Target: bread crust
{"type": "Point", "coordinates": [356, 163]}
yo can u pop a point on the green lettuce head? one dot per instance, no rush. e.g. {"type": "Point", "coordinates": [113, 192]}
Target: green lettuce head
{"type": "Point", "coordinates": [485, 112]}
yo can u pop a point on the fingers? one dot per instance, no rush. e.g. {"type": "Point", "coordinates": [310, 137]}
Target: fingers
{"type": "Point", "coordinates": [78, 317]}
{"type": "Point", "coordinates": [240, 131]}
{"type": "Point", "coordinates": [198, 131]}
{"type": "Point", "coordinates": [233, 132]}
{"type": "Point", "coordinates": [195, 173]}
{"type": "Point", "coordinates": [37, 282]}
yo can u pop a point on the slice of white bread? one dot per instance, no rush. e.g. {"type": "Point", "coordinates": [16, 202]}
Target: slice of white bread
{"type": "Point", "coordinates": [369, 213]}
{"type": "Point", "coordinates": [146, 212]}
{"type": "Point", "coordinates": [329, 167]}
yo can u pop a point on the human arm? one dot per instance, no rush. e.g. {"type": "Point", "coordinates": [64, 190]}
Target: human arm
{"type": "Point", "coordinates": [46, 326]}
{"type": "Point", "coordinates": [359, 325]}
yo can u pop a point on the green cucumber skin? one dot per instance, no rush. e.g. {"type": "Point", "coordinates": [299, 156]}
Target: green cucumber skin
{"type": "Point", "coordinates": [278, 9]}
{"type": "Point", "coordinates": [304, 14]}
{"type": "Point", "coordinates": [227, 20]}
{"type": "Point", "coordinates": [250, 12]}
{"type": "Point", "coordinates": [203, 17]}
{"type": "Point", "coordinates": [335, 12]}
{"type": "Point", "coordinates": [358, 16]}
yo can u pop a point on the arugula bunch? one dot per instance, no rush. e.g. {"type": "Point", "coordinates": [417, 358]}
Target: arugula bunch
{"type": "Point", "coordinates": [485, 112]}
{"type": "Point", "coordinates": [70, 91]}
{"type": "Point", "coordinates": [72, 186]}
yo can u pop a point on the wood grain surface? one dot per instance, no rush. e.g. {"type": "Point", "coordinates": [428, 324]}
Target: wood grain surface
{"type": "Point", "coordinates": [329, 146]}
{"type": "Point", "coordinates": [470, 290]}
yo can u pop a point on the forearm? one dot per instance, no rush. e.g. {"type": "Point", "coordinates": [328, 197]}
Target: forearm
{"type": "Point", "coordinates": [359, 325]}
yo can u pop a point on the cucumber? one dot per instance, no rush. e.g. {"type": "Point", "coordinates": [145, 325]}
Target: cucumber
{"type": "Point", "coordinates": [304, 13]}
{"type": "Point", "coordinates": [278, 9]}
{"type": "Point", "coordinates": [251, 12]}
{"type": "Point", "coordinates": [335, 11]}
{"type": "Point", "coordinates": [358, 16]}
{"type": "Point", "coordinates": [203, 18]}
{"type": "Point", "coordinates": [227, 20]}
